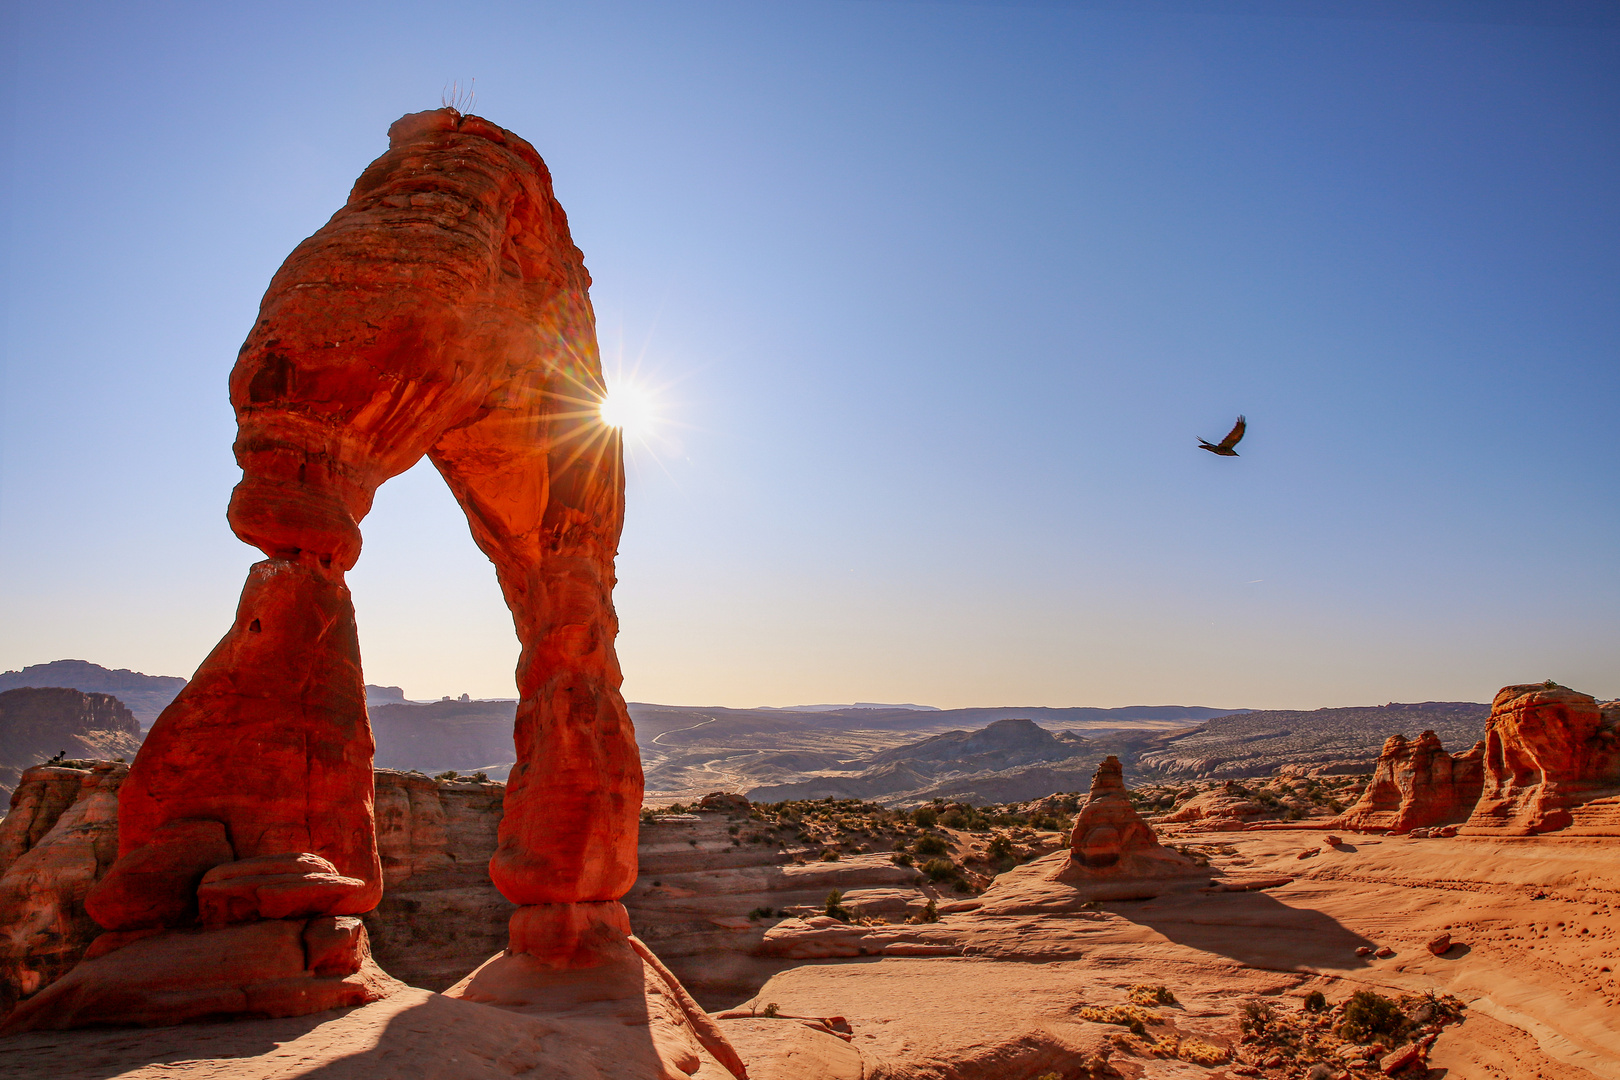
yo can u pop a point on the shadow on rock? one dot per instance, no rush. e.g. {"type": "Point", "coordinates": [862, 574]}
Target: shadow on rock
{"type": "Point", "coordinates": [1253, 928]}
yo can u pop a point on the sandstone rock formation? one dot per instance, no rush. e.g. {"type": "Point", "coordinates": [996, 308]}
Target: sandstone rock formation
{"type": "Point", "coordinates": [36, 723]}
{"type": "Point", "coordinates": [1224, 809]}
{"type": "Point", "coordinates": [442, 312]}
{"type": "Point", "coordinates": [1110, 838]}
{"type": "Point", "coordinates": [1552, 762]}
{"type": "Point", "coordinates": [440, 915]}
{"type": "Point", "coordinates": [58, 839]}
{"type": "Point", "coordinates": [1417, 785]}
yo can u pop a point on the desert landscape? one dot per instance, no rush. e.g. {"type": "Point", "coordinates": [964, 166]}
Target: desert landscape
{"type": "Point", "coordinates": [816, 541]}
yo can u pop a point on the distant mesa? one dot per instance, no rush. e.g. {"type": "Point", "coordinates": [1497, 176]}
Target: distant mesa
{"type": "Point", "coordinates": [144, 695]}
{"type": "Point", "coordinates": [840, 708]}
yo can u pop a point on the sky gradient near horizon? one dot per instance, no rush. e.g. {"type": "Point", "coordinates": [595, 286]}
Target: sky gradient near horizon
{"type": "Point", "coordinates": [937, 298]}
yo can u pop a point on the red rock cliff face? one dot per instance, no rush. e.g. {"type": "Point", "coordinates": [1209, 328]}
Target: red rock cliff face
{"type": "Point", "coordinates": [1416, 785]}
{"type": "Point", "coordinates": [58, 839]}
{"type": "Point", "coordinates": [1552, 761]}
{"type": "Point", "coordinates": [442, 312]}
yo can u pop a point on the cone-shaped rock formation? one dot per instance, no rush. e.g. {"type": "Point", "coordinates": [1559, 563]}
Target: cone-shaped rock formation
{"type": "Point", "coordinates": [1110, 837]}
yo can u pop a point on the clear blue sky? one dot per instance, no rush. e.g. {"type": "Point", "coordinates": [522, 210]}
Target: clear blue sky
{"type": "Point", "coordinates": [938, 297]}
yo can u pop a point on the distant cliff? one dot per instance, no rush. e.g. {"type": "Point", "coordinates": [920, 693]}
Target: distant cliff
{"type": "Point", "coordinates": [36, 724]}
{"type": "Point", "coordinates": [145, 695]}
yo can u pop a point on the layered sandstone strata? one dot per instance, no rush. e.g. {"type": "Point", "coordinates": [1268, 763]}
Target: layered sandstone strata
{"type": "Point", "coordinates": [443, 312]}
{"type": "Point", "coordinates": [1417, 785]}
{"type": "Point", "coordinates": [1552, 762]}
{"type": "Point", "coordinates": [440, 915]}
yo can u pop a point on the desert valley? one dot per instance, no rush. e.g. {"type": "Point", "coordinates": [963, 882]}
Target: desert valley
{"type": "Point", "coordinates": [1246, 894]}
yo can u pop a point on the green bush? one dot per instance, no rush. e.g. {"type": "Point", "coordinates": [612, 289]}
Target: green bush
{"type": "Point", "coordinates": [829, 856]}
{"type": "Point", "coordinates": [925, 816]}
{"type": "Point", "coordinates": [1314, 1002]}
{"type": "Point", "coordinates": [834, 907]}
{"type": "Point", "coordinates": [940, 869]}
{"type": "Point", "coordinates": [900, 858]}
{"type": "Point", "coordinates": [1000, 847]}
{"type": "Point", "coordinates": [931, 845]}
{"type": "Point", "coordinates": [1367, 1015]}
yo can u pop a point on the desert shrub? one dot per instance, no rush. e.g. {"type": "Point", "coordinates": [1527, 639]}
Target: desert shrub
{"type": "Point", "coordinates": [769, 1010]}
{"type": "Point", "coordinates": [448, 774]}
{"type": "Point", "coordinates": [930, 913]}
{"type": "Point", "coordinates": [1046, 822]}
{"type": "Point", "coordinates": [954, 819]}
{"type": "Point", "coordinates": [1258, 1018]}
{"type": "Point", "coordinates": [761, 913]}
{"type": "Point", "coordinates": [829, 856]}
{"type": "Point", "coordinates": [734, 830]}
{"type": "Point", "coordinates": [1202, 1053]}
{"type": "Point", "coordinates": [925, 816]}
{"type": "Point", "coordinates": [940, 869]}
{"type": "Point", "coordinates": [1314, 1002]}
{"type": "Point", "coordinates": [1129, 1016]}
{"type": "Point", "coordinates": [1368, 1014]}
{"type": "Point", "coordinates": [1148, 994]}
{"type": "Point", "coordinates": [834, 907]}
{"type": "Point", "coordinates": [1000, 847]}
{"type": "Point", "coordinates": [900, 858]}
{"type": "Point", "coordinates": [931, 845]}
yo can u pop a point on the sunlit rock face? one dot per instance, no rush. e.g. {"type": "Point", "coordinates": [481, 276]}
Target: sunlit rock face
{"type": "Point", "coordinates": [443, 311]}
{"type": "Point", "coordinates": [1109, 835]}
{"type": "Point", "coordinates": [1552, 762]}
{"type": "Point", "coordinates": [1418, 785]}
{"type": "Point", "coordinates": [57, 840]}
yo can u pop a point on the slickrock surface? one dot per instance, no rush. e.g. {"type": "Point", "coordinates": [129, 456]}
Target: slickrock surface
{"type": "Point", "coordinates": [1418, 785]}
{"type": "Point", "coordinates": [1552, 762]}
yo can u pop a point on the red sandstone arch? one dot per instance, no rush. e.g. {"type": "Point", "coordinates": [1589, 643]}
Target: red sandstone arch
{"type": "Point", "coordinates": [443, 311]}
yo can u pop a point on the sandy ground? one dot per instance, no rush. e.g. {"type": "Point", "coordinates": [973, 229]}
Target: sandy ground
{"type": "Point", "coordinates": [1536, 925]}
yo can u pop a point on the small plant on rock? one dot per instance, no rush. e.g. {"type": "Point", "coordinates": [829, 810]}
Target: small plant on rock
{"type": "Point", "coordinates": [1147, 994]}
{"type": "Point", "coordinates": [1314, 1002]}
{"type": "Point", "coordinates": [1368, 1014]}
{"type": "Point", "coordinates": [834, 907]}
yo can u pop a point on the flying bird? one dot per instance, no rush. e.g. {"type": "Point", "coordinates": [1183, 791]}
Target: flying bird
{"type": "Point", "coordinates": [1225, 446]}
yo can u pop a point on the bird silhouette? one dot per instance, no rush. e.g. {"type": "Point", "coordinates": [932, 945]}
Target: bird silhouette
{"type": "Point", "coordinates": [1224, 448]}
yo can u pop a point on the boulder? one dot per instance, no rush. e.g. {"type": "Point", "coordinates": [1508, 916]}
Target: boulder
{"type": "Point", "coordinates": [1221, 810]}
{"type": "Point", "coordinates": [1552, 760]}
{"type": "Point", "coordinates": [728, 802]}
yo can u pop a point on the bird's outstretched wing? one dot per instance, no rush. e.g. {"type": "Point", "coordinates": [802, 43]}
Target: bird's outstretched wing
{"type": "Point", "coordinates": [1235, 435]}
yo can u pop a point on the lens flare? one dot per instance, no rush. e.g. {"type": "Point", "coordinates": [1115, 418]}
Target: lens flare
{"type": "Point", "coordinates": [628, 408]}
